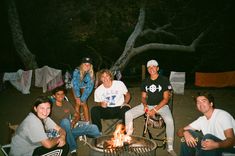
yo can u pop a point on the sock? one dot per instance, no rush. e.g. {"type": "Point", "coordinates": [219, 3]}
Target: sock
{"type": "Point", "coordinates": [170, 147]}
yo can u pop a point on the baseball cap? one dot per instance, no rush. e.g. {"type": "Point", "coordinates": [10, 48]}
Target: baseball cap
{"type": "Point", "coordinates": [152, 63]}
{"type": "Point", "coordinates": [86, 60]}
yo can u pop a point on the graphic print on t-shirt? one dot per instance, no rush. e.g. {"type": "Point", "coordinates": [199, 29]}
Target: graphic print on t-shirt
{"type": "Point", "coordinates": [153, 88]}
{"type": "Point", "coordinates": [110, 100]}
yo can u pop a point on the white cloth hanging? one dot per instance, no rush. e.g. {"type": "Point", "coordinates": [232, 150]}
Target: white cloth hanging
{"type": "Point", "coordinates": [48, 78]}
{"type": "Point", "coordinates": [21, 80]}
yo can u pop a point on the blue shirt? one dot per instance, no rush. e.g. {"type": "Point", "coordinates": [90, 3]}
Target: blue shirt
{"type": "Point", "coordinates": [87, 83]}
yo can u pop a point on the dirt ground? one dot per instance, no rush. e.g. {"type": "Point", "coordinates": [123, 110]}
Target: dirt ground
{"type": "Point", "coordinates": [15, 106]}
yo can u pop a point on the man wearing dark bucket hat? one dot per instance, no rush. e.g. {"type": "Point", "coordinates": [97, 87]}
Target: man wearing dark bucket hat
{"type": "Point", "coordinates": [82, 86]}
{"type": "Point", "coordinates": [155, 94]}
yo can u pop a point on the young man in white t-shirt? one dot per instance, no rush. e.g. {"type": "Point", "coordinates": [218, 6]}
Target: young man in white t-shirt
{"type": "Point", "coordinates": [112, 98]}
{"type": "Point", "coordinates": [216, 130]}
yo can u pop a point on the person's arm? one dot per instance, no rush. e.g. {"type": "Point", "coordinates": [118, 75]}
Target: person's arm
{"type": "Point", "coordinates": [49, 143]}
{"type": "Point", "coordinates": [181, 131]}
{"type": "Point", "coordinates": [164, 101]}
{"type": "Point", "coordinates": [230, 139]}
{"type": "Point", "coordinates": [76, 83]}
{"type": "Point", "coordinates": [75, 119]}
{"type": "Point", "coordinates": [62, 137]}
{"type": "Point", "coordinates": [58, 141]}
{"type": "Point", "coordinates": [144, 101]}
{"type": "Point", "coordinates": [209, 144]}
{"type": "Point", "coordinates": [188, 138]}
{"type": "Point", "coordinates": [127, 98]}
{"type": "Point", "coordinates": [103, 104]}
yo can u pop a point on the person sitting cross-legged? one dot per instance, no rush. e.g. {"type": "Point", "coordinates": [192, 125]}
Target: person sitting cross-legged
{"type": "Point", "coordinates": [64, 114]}
{"type": "Point", "coordinates": [211, 134]}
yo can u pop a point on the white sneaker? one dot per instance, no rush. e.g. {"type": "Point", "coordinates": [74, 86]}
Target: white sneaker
{"type": "Point", "coordinates": [171, 152]}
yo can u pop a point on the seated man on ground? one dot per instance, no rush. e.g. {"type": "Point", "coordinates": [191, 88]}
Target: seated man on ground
{"type": "Point", "coordinates": [211, 134]}
{"type": "Point", "coordinates": [64, 114]}
{"type": "Point", "coordinates": [112, 97]}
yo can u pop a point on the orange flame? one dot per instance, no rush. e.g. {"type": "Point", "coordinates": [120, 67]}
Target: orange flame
{"type": "Point", "coordinates": [119, 137]}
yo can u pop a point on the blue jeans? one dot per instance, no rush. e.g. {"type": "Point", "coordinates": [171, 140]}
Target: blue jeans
{"type": "Point", "coordinates": [185, 150]}
{"type": "Point", "coordinates": [90, 130]}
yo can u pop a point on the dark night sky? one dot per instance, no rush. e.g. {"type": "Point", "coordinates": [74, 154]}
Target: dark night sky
{"type": "Point", "coordinates": [221, 60]}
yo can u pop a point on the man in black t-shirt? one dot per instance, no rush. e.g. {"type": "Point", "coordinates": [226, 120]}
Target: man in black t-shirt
{"type": "Point", "coordinates": [155, 94]}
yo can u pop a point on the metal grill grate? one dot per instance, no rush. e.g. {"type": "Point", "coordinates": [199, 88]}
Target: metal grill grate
{"type": "Point", "coordinates": [138, 146]}
{"type": "Point", "coordinates": [128, 151]}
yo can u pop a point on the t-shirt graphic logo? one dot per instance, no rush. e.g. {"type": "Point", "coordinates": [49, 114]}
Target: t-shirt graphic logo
{"type": "Point", "coordinates": [111, 100]}
{"type": "Point", "coordinates": [153, 88]}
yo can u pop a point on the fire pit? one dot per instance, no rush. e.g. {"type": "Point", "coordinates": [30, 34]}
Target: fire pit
{"type": "Point", "coordinates": [136, 146]}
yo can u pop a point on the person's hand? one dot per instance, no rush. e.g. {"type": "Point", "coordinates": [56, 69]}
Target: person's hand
{"type": "Point", "coordinates": [152, 112]}
{"type": "Point", "coordinates": [146, 109]}
{"type": "Point", "coordinates": [104, 104]}
{"type": "Point", "coordinates": [190, 140]}
{"type": "Point", "coordinates": [61, 141]}
{"type": "Point", "coordinates": [209, 144]}
{"type": "Point", "coordinates": [72, 124]}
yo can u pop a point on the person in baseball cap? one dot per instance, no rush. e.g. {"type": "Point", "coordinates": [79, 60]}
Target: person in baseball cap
{"type": "Point", "coordinates": [86, 60]}
{"type": "Point", "coordinates": [155, 96]}
{"type": "Point", "coordinates": [152, 63]}
{"type": "Point", "coordinates": [82, 85]}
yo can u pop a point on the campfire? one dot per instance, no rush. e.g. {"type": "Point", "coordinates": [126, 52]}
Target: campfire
{"type": "Point", "coordinates": [119, 138]}
{"type": "Point", "coordinates": [120, 144]}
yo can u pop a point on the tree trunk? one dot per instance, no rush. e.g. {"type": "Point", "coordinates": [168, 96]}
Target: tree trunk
{"type": "Point", "coordinates": [26, 56]}
{"type": "Point", "coordinates": [130, 49]}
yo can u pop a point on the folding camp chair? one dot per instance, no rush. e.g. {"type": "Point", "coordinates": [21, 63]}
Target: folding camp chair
{"type": "Point", "coordinates": [6, 149]}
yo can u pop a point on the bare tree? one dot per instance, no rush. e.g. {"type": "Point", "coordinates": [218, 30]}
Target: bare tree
{"type": "Point", "coordinates": [97, 28]}
{"type": "Point", "coordinates": [130, 50]}
{"type": "Point", "coordinates": [26, 56]}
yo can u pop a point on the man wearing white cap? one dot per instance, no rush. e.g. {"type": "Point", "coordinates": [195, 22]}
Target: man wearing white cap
{"type": "Point", "coordinates": [155, 94]}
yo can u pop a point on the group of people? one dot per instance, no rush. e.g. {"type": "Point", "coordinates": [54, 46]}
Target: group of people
{"type": "Point", "coordinates": [54, 123]}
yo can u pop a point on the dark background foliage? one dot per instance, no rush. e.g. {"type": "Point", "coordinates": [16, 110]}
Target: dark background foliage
{"type": "Point", "coordinates": [61, 32]}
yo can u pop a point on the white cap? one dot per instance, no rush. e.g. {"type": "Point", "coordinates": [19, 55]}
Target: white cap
{"type": "Point", "coordinates": [152, 63]}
